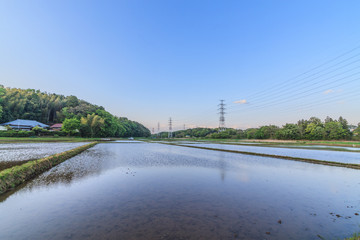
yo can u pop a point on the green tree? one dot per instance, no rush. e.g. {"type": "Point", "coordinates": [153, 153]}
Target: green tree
{"type": "Point", "coordinates": [334, 130]}
{"type": "Point", "coordinates": [2, 93]}
{"type": "Point", "coordinates": [356, 132]}
{"type": "Point", "coordinates": [250, 133]}
{"type": "Point", "coordinates": [71, 126]}
{"type": "Point", "coordinates": [92, 124]}
{"type": "Point", "coordinates": [266, 132]}
{"type": "Point", "coordinates": [289, 131]}
{"type": "Point", "coordinates": [315, 131]}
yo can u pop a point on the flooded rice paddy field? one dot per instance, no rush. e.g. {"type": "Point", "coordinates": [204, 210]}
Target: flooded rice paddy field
{"type": "Point", "coordinates": [334, 156]}
{"type": "Point", "coordinates": [12, 154]}
{"type": "Point", "coordinates": [322, 147]}
{"type": "Point", "coordinates": [155, 191]}
{"type": "Point", "coordinates": [26, 151]}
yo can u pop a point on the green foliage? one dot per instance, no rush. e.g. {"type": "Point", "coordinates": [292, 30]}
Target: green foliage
{"type": "Point", "coordinates": [2, 93]}
{"type": "Point", "coordinates": [71, 126]}
{"type": "Point", "coordinates": [93, 124]}
{"type": "Point", "coordinates": [13, 133]}
{"type": "Point", "coordinates": [356, 132]}
{"type": "Point", "coordinates": [266, 132]}
{"type": "Point", "coordinates": [250, 133]}
{"type": "Point", "coordinates": [315, 131]}
{"type": "Point", "coordinates": [52, 108]}
{"type": "Point", "coordinates": [289, 131]}
{"type": "Point", "coordinates": [312, 129]}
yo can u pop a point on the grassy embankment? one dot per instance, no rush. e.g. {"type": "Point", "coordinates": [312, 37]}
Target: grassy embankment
{"type": "Point", "coordinates": [12, 177]}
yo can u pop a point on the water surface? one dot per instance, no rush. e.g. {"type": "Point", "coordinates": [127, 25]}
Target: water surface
{"type": "Point", "coordinates": [156, 191]}
{"type": "Point", "coordinates": [334, 156]}
{"type": "Point", "coordinates": [26, 151]}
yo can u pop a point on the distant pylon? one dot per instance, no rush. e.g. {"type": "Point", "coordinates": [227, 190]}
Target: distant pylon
{"type": "Point", "coordinates": [184, 127]}
{"type": "Point", "coordinates": [222, 116]}
{"type": "Point", "coordinates": [153, 130]}
{"type": "Point", "coordinates": [170, 128]}
{"type": "Point", "coordinates": [158, 133]}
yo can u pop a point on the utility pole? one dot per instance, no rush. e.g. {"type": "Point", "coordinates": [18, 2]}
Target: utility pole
{"type": "Point", "coordinates": [222, 115]}
{"type": "Point", "coordinates": [170, 128]}
{"type": "Point", "coordinates": [158, 129]}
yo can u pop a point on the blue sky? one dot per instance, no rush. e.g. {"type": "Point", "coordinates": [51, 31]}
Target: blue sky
{"type": "Point", "coordinates": [151, 60]}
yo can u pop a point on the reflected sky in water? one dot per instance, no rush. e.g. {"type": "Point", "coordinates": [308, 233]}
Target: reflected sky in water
{"type": "Point", "coordinates": [334, 156]}
{"type": "Point", "coordinates": [155, 191]}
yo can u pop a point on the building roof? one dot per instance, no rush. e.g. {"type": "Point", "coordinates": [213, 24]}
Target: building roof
{"type": "Point", "coordinates": [56, 125]}
{"type": "Point", "coordinates": [27, 123]}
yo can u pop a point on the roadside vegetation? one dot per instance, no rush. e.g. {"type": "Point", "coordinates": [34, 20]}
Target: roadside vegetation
{"type": "Point", "coordinates": [79, 117]}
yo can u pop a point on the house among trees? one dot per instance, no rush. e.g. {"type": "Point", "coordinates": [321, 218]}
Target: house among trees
{"type": "Point", "coordinates": [27, 125]}
{"type": "Point", "coordinates": [56, 127]}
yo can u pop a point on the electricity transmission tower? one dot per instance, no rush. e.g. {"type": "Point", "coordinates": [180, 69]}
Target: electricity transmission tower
{"type": "Point", "coordinates": [184, 127]}
{"type": "Point", "coordinates": [222, 115]}
{"type": "Point", "coordinates": [170, 128]}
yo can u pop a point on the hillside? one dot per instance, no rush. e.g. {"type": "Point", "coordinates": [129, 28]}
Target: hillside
{"type": "Point", "coordinates": [49, 108]}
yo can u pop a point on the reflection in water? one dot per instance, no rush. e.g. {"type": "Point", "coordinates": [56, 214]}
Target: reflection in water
{"type": "Point", "coordinates": [222, 165]}
{"type": "Point", "coordinates": [344, 157]}
{"type": "Point", "coordinates": [154, 191]}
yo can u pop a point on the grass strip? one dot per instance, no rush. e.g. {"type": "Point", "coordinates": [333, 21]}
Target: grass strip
{"type": "Point", "coordinates": [12, 177]}
{"type": "Point", "coordinates": [308, 160]}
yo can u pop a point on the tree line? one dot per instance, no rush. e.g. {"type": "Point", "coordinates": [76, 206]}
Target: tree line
{"type": "Point", "coordinates": [311, 129]}
{"type": "Point", "coordinates": [78, 116]}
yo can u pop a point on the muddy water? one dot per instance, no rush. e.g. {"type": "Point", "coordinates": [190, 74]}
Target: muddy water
{"type": "Point", "coordinates": [155, 191]}
{"type": "Point", "coordinates": [334, 156]}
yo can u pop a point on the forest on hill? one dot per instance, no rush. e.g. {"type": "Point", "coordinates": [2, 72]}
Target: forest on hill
{"type": "Point", "coordinates": [78, 116]}
{"type": "Point", "coordinates": [312, 129]}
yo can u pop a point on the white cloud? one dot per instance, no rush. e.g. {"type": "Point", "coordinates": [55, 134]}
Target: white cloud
{"type": "Point", "coordinates": [241, 101]}
{"type": "Point", "coordinates": [329, 91]}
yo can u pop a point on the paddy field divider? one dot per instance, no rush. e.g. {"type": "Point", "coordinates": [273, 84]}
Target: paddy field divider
{"type": "Point", "coordinates": [12, 177]}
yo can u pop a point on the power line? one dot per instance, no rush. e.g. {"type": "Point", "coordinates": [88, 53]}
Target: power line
{"type": "Point", "coordinates": [309, 81]}
{"type": "Point", "coordinates": [300, 96]}
{"type": "Point", "coordinates": [330, 99]}
{"type": "Point", "coordinates": [286, 82]}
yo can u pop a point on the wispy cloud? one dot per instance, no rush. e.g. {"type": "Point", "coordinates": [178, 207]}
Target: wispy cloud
{"type": "Point", "coordinates": [241, 101]}
{"type": "Point", "coordinates": [328, 91]}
